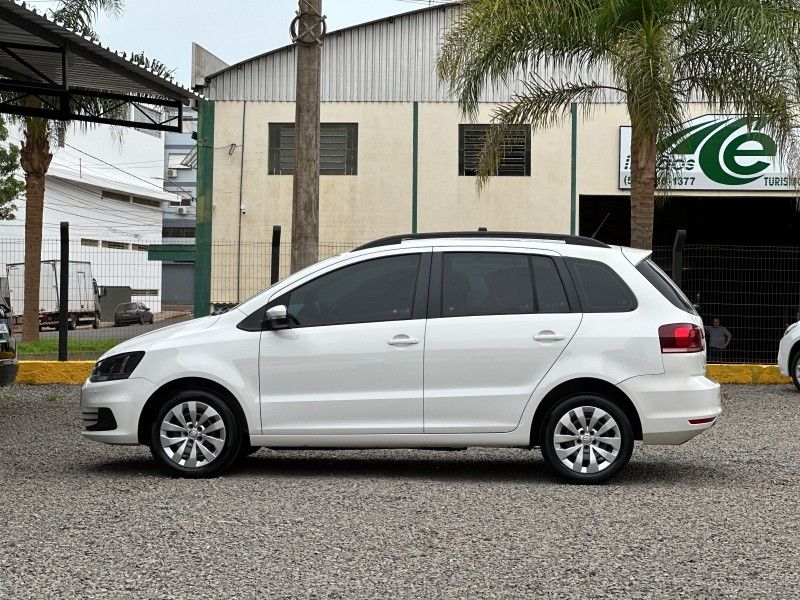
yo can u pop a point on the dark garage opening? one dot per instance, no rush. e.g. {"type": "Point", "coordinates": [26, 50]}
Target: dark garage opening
{"type": "Point", "coordinates": [741, 263]}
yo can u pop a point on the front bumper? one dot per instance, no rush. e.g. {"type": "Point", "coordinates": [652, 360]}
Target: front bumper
{"type": "Point", "coordinates": [125, 399]}
{"type": "Point", "coordinates": [666, 404]}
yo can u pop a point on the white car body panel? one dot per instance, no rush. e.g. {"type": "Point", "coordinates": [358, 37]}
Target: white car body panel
{"type": "Point", "coordinates": [788, 341]}
{"type": "Point", "coordinates": [470, 381]}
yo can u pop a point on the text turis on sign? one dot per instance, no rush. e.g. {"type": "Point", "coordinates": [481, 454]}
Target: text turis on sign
{"type": "Point", "coordinates": [715, 152]}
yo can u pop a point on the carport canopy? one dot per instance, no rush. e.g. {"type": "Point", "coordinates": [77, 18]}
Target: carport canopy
{"type": "Point", "coordinates": [50, 71]}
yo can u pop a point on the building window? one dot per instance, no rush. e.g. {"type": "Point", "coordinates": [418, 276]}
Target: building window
{"type": "Point", "coordinates": [144, 292]}
{"type": "Point", "coordinates": [338, 154]}
{"type": "Point", "coordinates": [116, 196]}
{"type": "Point", "coordinates": [88, 242]}
{"type": "Point", "coordinates": [146, 202]}
{"type": "Point", "coordinates": [115, 245]}
{"type": "Point", "coordinates": [516, 155]}
{"type": "Point", "coordinates": [139, 247]}
{"type": "Point", "coordinates": [177, 232]}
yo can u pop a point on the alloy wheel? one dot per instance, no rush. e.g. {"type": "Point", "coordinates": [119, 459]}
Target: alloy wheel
{"type": "Point", "coordinates": [587, 439]}
{"type": "Point", "coordinates": [192, 434]}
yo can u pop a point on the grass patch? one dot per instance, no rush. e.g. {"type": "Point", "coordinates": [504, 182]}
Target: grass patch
{"type": "Point", "coordinates": [47, 348]}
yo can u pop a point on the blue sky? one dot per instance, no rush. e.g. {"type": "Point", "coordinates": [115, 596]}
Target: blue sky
{"type": "Point", "coordinates": [231, 29]}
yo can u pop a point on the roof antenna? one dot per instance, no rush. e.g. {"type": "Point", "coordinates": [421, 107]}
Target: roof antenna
{"type": "Point", "coordinates": [599, 227]}
{"type": "Point", "coordinates": [482, 229]}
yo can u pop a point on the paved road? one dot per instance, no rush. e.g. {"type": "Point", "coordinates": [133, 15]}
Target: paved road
{"type": "Point", "coordinates": [124, 332]}
{"type": "Point", "coordinates": [717, 517]}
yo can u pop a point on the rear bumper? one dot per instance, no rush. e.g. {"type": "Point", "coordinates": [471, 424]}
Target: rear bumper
{"type": "Point", "coordinates": [667, 404]}
{"type": "Point", "coordinates": [125, 399]}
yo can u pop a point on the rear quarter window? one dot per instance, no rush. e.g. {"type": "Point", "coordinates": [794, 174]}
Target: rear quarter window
{"type": "Point", "coordinates": [600, 289]}
{"type": "Point", "coordinates": [665, 285]}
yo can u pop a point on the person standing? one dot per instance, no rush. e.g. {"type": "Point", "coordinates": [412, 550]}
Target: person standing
{"type": "Point", "coordinates": [718, 339]}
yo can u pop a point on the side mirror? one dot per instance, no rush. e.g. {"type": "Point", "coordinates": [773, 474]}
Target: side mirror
{"type": "Point", "coordinates": [277, 317]}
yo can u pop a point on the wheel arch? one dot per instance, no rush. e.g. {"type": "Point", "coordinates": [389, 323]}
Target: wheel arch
{"type": "Point", "coordinates": [585, 385]}
{"type": "Point", "coordinates": [792, 353]}
{"type": "Point", "coordinates": [158, 397]}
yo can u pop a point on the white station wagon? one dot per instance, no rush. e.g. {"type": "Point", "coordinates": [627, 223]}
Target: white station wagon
{"type": "Point", "coordinates": [445, 340]}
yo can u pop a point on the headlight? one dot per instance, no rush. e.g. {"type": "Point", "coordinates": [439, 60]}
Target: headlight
{"type": "Point", "coordinates": [789, 328]}
{"type": "Point", "coordinates": [119, 366]}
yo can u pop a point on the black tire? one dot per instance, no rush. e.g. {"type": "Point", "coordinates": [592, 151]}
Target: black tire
{"type": "Point", "coordinates": [622, 430]}
{"type": "Point", "coordinates": [793, 368]}
{"type": "Point", "coordinates": [96, 323]}
{"type": "Point", "coordinates": [231, 447]}
{"type": "Point", "coordinates": [72, 324]}
{"type": "Point", "coordinates": [141, 320]}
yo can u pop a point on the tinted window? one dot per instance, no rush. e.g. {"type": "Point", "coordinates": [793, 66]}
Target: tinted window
{"type": "Point", "coordinates": [476, 283]}
{"type": "Point", "coordinates": [126, 306]}
{"type": "Point", "coordinates": [375, 290]}
{"type": "Point", "coordinates": [600, 289]}
{"type": "Point", "coordinates": [665, 285]}
{"type": "Point", "coordinates": [550, 294]}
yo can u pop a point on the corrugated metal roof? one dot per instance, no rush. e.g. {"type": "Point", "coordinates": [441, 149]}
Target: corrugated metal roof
{"type": "Point", "coordinates": [91, 64]}
{"type": "Point", "coordinates": [388, 60]}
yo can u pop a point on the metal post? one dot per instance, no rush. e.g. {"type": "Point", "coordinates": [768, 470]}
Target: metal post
{"type": "Point", "coordinates": [63, 293]}
{"type": "Point", "coordinates": [677, 257]}
{"type": "Point", "coordinates": [414, 165]}
{"type": "Point", "coordinates": [275, 263]}
{"type": "Point", "coordinates": [573, 211]}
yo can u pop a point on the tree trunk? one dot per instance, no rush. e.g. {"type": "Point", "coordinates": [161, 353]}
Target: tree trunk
{"type": "Point", "coordinates": [643, 189]}
{"type": "Point", "coordinates": [305, 193]}
{"type": "Point", "coordinates": [35, 160]}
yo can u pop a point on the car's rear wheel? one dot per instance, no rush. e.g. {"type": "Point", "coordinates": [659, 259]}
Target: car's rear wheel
{"type": "Point", "coordinates": [195, 434]}
{"type": "Point", "coordinates": [794, 369]}
{"type": "Point", "coordinates": [586, 438]}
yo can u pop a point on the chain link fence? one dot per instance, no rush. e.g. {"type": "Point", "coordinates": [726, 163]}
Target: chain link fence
{"type": "Point", "coordinates": [117, 292]}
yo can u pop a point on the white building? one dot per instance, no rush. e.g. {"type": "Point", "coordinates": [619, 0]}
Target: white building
{"type": "Point", "coordinates": [108, 185]}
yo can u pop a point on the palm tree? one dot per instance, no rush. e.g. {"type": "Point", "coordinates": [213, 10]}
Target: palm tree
{"type": "Point", "coordinates": [656, 56]}
{"type": "Point", "coordinates": [35, 159]}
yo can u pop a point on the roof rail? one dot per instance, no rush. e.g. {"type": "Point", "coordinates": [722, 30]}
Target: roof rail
{"type": "Point", "coordinates": [575, 240]}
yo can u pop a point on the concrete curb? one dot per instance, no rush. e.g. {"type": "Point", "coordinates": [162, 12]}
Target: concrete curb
{"type": "Point", "coordinates": [746, 374]}
{"type": "Point", "coordinates": [76, 371]}
{"type": "Point", "coordinates": [53, 371]}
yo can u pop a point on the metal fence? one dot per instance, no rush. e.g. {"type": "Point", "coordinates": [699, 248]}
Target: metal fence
{"type": "Point", "coordinates": [753, 290]}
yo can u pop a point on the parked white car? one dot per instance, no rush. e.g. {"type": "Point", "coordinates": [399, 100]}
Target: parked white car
{"type": "Point", "coordinates": [424, 341]}
{"type": "Point", "coordinates": [789, 353]}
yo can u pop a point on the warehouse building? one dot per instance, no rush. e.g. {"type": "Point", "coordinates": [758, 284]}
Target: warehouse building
{"type": "Point", "coordinates": [397, 155]}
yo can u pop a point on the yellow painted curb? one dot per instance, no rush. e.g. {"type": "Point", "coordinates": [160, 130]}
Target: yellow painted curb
{"type": "Point", "coordinates": [746, 374]}
{"type": "Point", "coordinates": [76, 371]}
{"type": "Point", "coordinates": [53, 371]}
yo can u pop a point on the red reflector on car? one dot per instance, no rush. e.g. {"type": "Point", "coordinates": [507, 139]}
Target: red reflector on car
{"type": "Point", "coordinates": [680, 337]}
{"type": "Point", "coordinates": [702, 421]}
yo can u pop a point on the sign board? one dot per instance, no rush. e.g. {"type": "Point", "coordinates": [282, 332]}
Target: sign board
{"type": "Point", "coordinates": [715, 152]}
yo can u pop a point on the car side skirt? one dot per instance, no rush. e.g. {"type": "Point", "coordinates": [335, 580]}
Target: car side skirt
{"type": "Point", "coordinates": [514, 439]}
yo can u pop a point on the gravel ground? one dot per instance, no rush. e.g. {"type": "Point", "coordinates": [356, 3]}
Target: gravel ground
{"type": "Point", "coordinates": [717, 517]}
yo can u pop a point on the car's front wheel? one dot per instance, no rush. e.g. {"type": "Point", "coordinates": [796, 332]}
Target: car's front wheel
{"type": "Point", "coordinates": [195, 434]}
{"type": "Point", "coordinates": [586, 438]}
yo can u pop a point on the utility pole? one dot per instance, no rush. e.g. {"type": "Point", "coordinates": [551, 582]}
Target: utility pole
{"type": "Point", "coordinates": [308, 30]}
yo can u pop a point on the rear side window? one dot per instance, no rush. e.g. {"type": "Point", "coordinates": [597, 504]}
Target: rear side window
{"type": "Point", "coordinates": [486, 283]}
{"type": "Point", "coordinates": [550, 294]}
{"type": "Point", "coordinates": [665, 285]}
{"type": "Point", "coordinates": [600, 289]}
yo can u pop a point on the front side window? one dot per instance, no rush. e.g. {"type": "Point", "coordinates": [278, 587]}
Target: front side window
{"type": "Point", "coordinates": [515, 158]}
{"type": "Point", "coordinates": [600, 289]}
{"type": "Point", "coordinates": [486, 283]}
{"type": "Point", "coordinates": [338, 152]}
{"type": "Point", "coordinates": [376, 290]}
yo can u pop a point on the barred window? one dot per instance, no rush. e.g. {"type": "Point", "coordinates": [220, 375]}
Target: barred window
{"type": "Point", "coordinates": [338, 154]}
{"type": "Point", "coordinates": [515, 160]}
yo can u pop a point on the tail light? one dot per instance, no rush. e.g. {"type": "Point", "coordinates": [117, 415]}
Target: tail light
{"type": "Point", "coordinates": [680, 337]}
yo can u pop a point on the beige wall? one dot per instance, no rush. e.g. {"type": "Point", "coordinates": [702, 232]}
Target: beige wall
{"type": "Point", "coordinates": [377, 201]}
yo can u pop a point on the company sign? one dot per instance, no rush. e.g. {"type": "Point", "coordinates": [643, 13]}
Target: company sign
{"type": "Point", "coordinates": [715, 152]}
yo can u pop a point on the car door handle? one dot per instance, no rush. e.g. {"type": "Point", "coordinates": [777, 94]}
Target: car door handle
{"type": "Point", "coordinates": [403, 340]}
{"type": "Point", "coordinates": [548, 336]}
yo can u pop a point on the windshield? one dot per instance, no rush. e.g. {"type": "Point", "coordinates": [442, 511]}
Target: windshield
{"type": "Point", "coordinates": [127, 306]}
